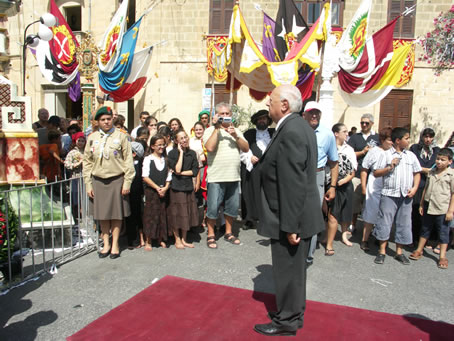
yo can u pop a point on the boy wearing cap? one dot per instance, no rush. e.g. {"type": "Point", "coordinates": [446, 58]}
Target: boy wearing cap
{"type": "Point", "coordinates": [134, 221]}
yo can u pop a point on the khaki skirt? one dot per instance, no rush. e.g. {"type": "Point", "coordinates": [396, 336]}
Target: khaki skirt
{"type": "Point", "coordinates": [108, 203]}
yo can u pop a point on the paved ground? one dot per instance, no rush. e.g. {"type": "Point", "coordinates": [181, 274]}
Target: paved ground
{"type": "Point", "coordinates": [54, 307]}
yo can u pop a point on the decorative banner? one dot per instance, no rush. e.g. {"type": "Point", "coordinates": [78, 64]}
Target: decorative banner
{"type": "Point", "coordinates": [216, 66]}
{"type": "Point", "coordinates": [137, 77]}
{"type": "Point", "coordinates": [353, 41]}
{"type": "Point", "coordinates": [250, 67]}
{"type": "Point", "coordinates": [63, 44]}
{"type": "Point", "coordinates": [112, 40]}
{"type": "Point", "coordinates": [114, 80]}
{"type": "Point", "coordinates": [407, 72]}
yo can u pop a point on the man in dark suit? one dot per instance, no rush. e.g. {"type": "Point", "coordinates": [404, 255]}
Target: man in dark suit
{"type": "Point", "coordinates": [258, 139]}
{"type": "Point", "coordinates": [288, 211]}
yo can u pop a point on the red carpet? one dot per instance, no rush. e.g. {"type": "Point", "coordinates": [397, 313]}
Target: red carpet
{"type": "Point", "coordinates": [181, 309]}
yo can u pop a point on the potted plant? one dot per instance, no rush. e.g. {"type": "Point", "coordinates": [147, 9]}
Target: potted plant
{"type": "Point", "coordinates": [13, 225]}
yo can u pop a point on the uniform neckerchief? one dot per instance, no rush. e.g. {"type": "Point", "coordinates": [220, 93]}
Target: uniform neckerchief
{"type": "Point", "coordinates": [104, 137]}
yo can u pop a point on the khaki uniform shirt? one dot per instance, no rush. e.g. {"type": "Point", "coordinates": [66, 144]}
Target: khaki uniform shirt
{"type": "Point", "coordinates": [439, 188]}
{"type": "Point", "coordinates": [116, 158]}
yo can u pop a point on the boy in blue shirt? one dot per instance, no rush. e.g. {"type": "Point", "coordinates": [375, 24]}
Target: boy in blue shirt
{"type": "Point", "coordinates": [400, 171]}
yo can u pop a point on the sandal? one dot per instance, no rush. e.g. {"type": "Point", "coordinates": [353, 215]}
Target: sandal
{"type": "Point", "coordinates": [437, 250]}
{"type": "Point", "coordinates": [211, 242]}
{"type": "Point", "coordinates": [364, 246]}
{"type": "Point", "coordinates": [329, 252]}
{"type": "Point", "coordinates": [229, 237]}
{"type": "Point", "coordinates": [415, 255]}
{"type": "Point", "coordinates": [443, 263]}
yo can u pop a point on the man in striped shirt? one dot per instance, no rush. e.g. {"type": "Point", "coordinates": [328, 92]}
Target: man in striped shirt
{"type": "Point", "coordinates": [400, 171]}
{"type": "Point", "coordinates": [223, 143]}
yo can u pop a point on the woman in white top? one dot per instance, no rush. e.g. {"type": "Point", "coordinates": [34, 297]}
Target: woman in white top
{"type": "Point", "coordinates": [340, 210]}
{"type": "Point", "coordinates": [372, 186]}
{"type": "Point", "coordinates": [156, 176]}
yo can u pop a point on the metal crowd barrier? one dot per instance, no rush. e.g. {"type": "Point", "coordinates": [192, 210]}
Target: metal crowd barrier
{"type": "Point", "coordinates": [46, 225]}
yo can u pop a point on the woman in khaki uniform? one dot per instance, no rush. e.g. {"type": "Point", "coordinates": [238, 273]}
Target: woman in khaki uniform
{"type": "Point", "coordinates": [108, 171]}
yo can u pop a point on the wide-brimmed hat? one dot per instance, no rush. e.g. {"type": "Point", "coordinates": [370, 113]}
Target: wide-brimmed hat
{"type": "Point", "coordinates": [259, 114]}
{"type": "Point", "coordinates": [103, 111]}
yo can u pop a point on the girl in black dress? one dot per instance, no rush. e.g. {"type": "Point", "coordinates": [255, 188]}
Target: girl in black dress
{"type": "Point", "coordinates": [156, 177]}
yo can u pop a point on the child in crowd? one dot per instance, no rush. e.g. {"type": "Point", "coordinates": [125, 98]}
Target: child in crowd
{"type": "Point", "coordinates": [400, 171]}
{"type": "Point", "coordinates": [73, 163]}
{"type": "Point", "coordinates": [437, 205]}
{"type": "Point", "coordinates": [182, 213]}
{"type": "Point", "coordinates": [134, 221]}
{"type": "Point", "coordinates": [49, 155]}
{"type": "Point", "coordinates": [341, 209]}
{"type": "Point", "coordinates": [196, 144]}
{"type": "Point", "coordinates": [371, 186]}
{"type": "Point", "coordinates": [156, 177]}
{"type": "Point", "coordinates": [167, 133]}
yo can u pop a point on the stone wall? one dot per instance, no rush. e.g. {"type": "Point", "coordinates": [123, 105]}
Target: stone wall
{"type": "Point", "coordinates": [178, 69]}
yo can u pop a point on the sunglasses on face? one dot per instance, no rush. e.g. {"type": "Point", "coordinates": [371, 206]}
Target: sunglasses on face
{"type": "Point", "coordinates": [365, 123]}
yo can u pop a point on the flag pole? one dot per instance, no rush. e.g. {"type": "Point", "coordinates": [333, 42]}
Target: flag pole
{"type": "Point", "coordinates": [232, 74]}
{"type": "Point", "coordinates": [319, 75]}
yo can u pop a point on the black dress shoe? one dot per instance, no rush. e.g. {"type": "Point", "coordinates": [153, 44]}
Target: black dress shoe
{"type": "Point", "coordinates": [271, 330]}
{"type": "Point", "coordinates": [103, 255]}
{"type": "Point", "coordinates": [114, 255]}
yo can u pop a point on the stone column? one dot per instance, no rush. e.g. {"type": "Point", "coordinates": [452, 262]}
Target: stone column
{"type": "Point", "coordinates": [329, 69]}
{"type": "Point", "coordinates": [88, 101]}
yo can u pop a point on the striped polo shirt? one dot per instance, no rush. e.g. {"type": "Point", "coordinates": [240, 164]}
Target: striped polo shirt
{"type": "Point", "coordinates": [224, 162]}
{"type": "Point", "coordinates": [399, 181]}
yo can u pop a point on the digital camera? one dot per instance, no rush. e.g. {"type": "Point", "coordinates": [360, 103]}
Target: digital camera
{"type": "Point", "coordinates": [225, 120]}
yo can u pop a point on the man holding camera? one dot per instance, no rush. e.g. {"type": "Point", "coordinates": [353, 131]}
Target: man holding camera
{"type": "Point", "coordinates": [223, 143]}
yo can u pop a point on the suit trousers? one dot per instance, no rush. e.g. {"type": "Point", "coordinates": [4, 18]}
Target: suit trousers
{"type": "Point", "coordinates": [289, 272]}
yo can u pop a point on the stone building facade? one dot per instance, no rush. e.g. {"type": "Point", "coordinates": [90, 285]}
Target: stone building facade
{"type": "Point", "coordinates": [177, 76]}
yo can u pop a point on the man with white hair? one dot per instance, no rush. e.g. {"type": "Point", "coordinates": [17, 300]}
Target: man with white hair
{"type": "Point", "coordinates": [361, 143]}
{"type": "Point", "coordinates": [327, 154]}
{"type": "Point", "coordinates": [223, 143]}
{"type": "Point", "coordinates": [288, 215]}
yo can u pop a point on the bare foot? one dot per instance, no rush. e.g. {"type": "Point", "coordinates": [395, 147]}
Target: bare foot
{"type": "Point", "coordinates": [189, 245]}
{"type": "Point", "coordinates": [163, 245]}
{"type": "Point", "coordinates": [345, 236]}
{"type": "Point", "coordinates": [179, 246]}
{"type": "Point", "coordinates": [148, 247]}
{"type": "Point", "coordinates": [105, 249]}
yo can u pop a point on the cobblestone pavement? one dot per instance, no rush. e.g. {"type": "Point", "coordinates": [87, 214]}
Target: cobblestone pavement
{"type": "Point", "coordinates": [54, 307]}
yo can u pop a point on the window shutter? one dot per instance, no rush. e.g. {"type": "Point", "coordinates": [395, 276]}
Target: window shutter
{"type": "Point", "coordinates": [227, 19]}
{"type": "Point", "coordinates": [408, 22]}
{"type": "Point", "coordinates": [405, 26]}
{"type": "Point", "coordinates": [220, 15]}
{"type": "Point", "coordinates": [396, 109]}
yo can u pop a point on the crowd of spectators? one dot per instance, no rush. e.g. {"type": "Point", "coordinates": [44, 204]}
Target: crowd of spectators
{"type": "Point", "coordinates": [181, 179]}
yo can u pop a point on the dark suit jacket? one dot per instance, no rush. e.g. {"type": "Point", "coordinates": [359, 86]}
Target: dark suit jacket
{"type": "Point", "coordinates": [251, 137]}
{"type": "Point", "coordinates": [289, 198]}
{"type": "Point", "coordinates": [249, 182]}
